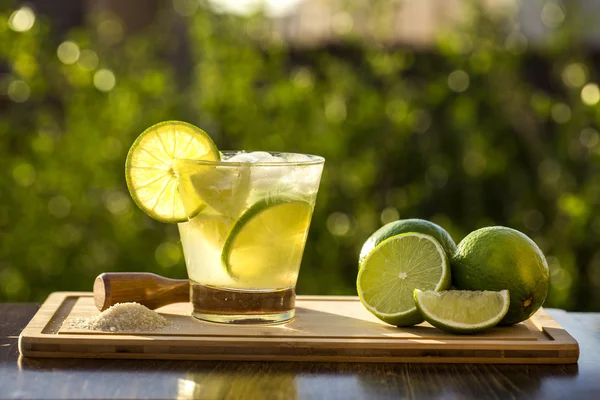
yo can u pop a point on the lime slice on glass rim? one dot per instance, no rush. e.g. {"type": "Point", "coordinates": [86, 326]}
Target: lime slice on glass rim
{"type": "Point", "coordinates": [152, 174]}
{"type": "Point", "coordinates": [394, 269]}
{"type": "Point", "coordinates": [267, 239]}
{"type": "Point", "coordinates": [462, 311]}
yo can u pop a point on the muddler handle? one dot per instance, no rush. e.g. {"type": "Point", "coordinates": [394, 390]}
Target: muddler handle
{"type": "Point", "coordinates": [150, 290]}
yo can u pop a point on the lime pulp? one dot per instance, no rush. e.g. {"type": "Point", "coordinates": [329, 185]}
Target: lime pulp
{"type": "Point", "coordinates": [462, 311]}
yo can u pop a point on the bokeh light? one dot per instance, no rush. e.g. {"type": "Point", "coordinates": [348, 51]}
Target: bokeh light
{"type": "Point", "coordinates": [458, 81]}
{"type": "Point", "coordinates": [104, 80]}
{"type": "Point", "coordinates": [553, 14]}
{"type": "Point", "coordinates": [574, 75]}
{"type": "Point", "coordinates": [474, 163]}
{"type": "Point", "coordinates": [549, 171]}
{"type": "Point", "coordinates": [88, 60]}
{"type": "Point", "coordinates": [118, 202]}
{"type": "Point", "coordinates": [24, 174]}
{"type": "Point", "coordinates": [110, 31]}
{"type": "Point", "coordinates": [589, 138]}
{"type": "Point", "coordinates": [68, 52]}
{"type": "Point", "coordinates": [533, 220]}
{"type": "Point", "coordinates": [18, 91]}
{"type": "Point", "coordinates": [389, 214]}
{"type": "Point", "coordinates": [303, 78]}
{"type": "Point", "coordinates": [397, 110]}
{"type": "Point", "coordinates": [22, 19]}
{"type": "Point", "coordinates": [420, 119]}
{"type": "Point", "coordinates": [14, 283]}
{"type": "Point", "coordinates": [590, 94]}
{"type": "Point", "coordinates": [342, 23]}
{"type": "Point", "coordinates": [338, 223]}
{"type": "Point", "coordinates": [335, 109]}
{"type": "Point", "coordinates": [167, 254]}
{"type": "Point", "coordinates": [59, 206]}
{"type": "Point", "coordinates": [436, 176]}
{"type": "Point", "coordinates": [516, 42]}
{"type": "Point", "coordinates": [561, 113]}
{"type": "Point", "coordinates": [560, 278]}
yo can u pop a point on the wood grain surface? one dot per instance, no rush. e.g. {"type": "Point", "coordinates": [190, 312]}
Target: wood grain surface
{"type": "Point", "coordinates": [326, 328]}
{"type": "Point", "coordinates": [24, 378]}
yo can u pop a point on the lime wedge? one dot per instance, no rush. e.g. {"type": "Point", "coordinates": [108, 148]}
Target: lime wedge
{"type": "Point", "coordinates": [265, 245]}
{"type": "Point", "coordinates": [394, 269]}
{"type": "Point", "coordinates": [462, 311]}
{"type": "Point", "coordinates": [151, 169]}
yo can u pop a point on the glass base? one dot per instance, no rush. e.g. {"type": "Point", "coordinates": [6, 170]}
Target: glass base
{"type": "Point", "coordinates": [262, 319]}
{"type": "Point", "coordinates": [242, 307]}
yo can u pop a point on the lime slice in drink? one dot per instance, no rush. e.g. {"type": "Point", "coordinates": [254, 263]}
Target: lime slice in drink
{"type": "Point", "coordinates": [394, 269]}
{"type": "Point", "coordinates": [266, 244]}
{"type": "Point", "coordinates": [151, 169]}
{"type": "Point", "coordinates": [462, 311]}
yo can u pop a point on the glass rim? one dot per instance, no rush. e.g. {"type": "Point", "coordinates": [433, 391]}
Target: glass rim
{"type": "Point", "coordinates": [314, 160]}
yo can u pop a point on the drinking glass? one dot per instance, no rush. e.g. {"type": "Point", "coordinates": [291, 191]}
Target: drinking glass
{"type": "Point", "coordinates": [243, 245]}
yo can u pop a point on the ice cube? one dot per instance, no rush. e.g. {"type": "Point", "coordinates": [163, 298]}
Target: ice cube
{"type": "Point", "coordinates": [241, 157]}
{"type": "Point", "coordinates": [297, 158]}
{"type": "Point", "coordinates": [304, 179]}
{"type": "Point", "coordinates": [278, 180]}
{"type": "Point", "coordinates": [261, 156]}
{"type": "Point", "coordinates": [255, 157]}
{"type": "Point", "coordinates": [262, 178]}
{"type": "Point", "coordinates": [224, 188]}
{"type": "Point", "coordinates": [266, 179]}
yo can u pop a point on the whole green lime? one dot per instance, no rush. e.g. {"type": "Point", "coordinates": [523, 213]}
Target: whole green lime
{"type": "Point", "coordinates": [498, 258]}
{"type": "Point", "coordinates": [404, 226]}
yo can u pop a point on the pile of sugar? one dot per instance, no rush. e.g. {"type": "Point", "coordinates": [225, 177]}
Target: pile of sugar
{"type": "Point", "coordinates": [123, 317]}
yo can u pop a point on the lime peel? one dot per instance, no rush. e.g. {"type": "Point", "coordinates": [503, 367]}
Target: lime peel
{"type": "Point", "coordinates": [405, 226]}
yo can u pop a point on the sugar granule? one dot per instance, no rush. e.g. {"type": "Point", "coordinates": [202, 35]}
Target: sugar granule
{"type": "Point", "coordinates": [122, 317]}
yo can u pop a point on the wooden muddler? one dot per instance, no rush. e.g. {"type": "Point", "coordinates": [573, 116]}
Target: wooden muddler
{"type": "Point", "coordinates": [150, 290]}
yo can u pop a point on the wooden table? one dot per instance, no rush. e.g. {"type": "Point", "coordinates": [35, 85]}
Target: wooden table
{"type": "Point", "coordinates": [22, 378]}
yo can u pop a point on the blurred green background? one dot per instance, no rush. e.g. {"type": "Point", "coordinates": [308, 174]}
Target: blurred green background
{"type": "Point", "coordinates": [464, 114]}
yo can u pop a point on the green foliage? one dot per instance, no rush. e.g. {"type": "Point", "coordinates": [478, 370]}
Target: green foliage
{"type": "Point", "coordinates": [467, 135]}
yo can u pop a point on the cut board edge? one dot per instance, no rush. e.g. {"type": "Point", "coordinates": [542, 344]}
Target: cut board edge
{"type": "Point", "coordinates": [571, 359]}
{"type": "Point", "coordinates": [562, 348]}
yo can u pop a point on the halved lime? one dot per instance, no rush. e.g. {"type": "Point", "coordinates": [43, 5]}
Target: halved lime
{"type": "Point", "coordinates": [267, 242]}
{"type": "Point", "coordinates": [462, 311]}
{"type": "Point", "coordinates": [394, 269]}
{"type": "Point", "coordinates": [151, 169]}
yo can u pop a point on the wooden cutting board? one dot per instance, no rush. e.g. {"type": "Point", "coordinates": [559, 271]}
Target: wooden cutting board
{"type": "Point", "coordinates": [326, 328]}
